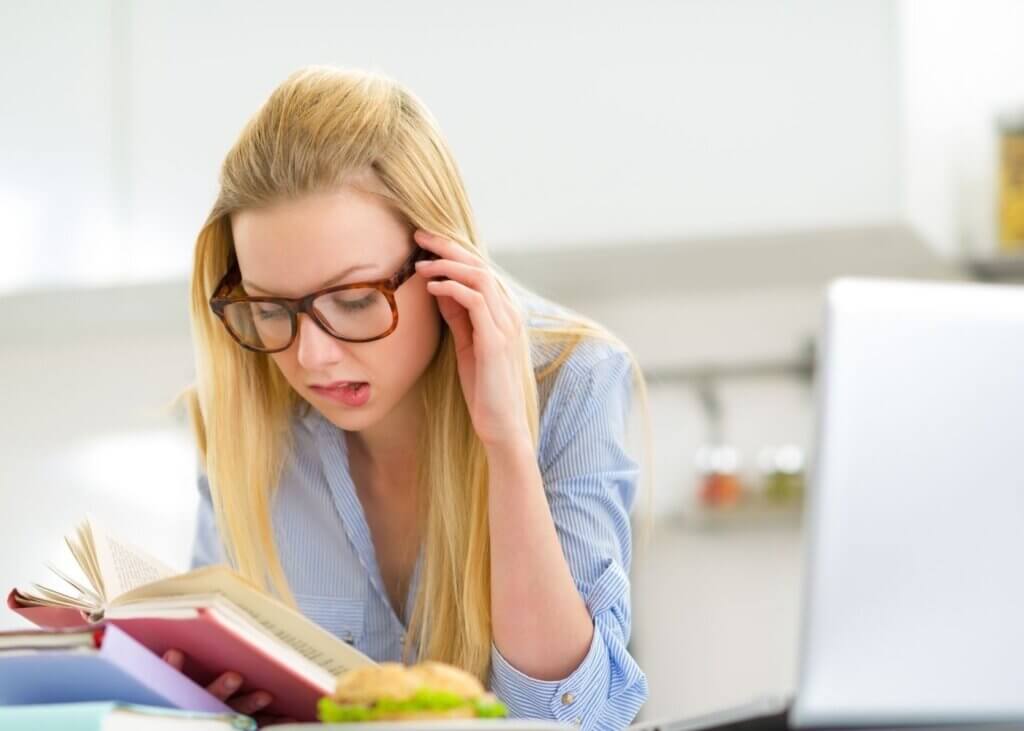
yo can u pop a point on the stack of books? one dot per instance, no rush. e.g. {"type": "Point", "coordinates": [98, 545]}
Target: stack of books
{"type": "Point", "coordinates": [96, 662]}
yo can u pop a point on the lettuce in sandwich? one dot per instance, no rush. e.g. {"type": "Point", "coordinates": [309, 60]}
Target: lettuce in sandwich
{"type": "Point", "coordinates": [396, 692]}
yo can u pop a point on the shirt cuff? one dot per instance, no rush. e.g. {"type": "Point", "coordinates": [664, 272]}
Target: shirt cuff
{"type": "Point", "coordinates": [569, 700]}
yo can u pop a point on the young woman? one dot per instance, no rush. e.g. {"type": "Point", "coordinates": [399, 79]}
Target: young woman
{"type": "Point", "coordinates": [421, 455]}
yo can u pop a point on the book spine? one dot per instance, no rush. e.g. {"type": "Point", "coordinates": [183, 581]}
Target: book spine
{"type": "Point", "coordinates": [47, 617]}
{"type": "Point", "coordinates": [55, 717]}
{"type": "Point", "coordinates": [161, 678]}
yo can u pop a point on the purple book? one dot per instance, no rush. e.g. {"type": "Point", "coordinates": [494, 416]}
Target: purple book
{"type": "Point", "coordinates": [95, 663]}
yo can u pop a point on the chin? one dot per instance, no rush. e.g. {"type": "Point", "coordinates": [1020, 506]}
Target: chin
{"type": "Point", "coordinates": [351, 419]}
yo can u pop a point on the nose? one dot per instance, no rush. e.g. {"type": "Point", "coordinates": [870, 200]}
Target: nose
{"type": "Point", "coordinates": [315, 348]}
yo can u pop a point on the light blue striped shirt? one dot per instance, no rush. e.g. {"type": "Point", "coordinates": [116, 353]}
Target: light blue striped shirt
{"type": "Point", "coordinates": [590, 481]}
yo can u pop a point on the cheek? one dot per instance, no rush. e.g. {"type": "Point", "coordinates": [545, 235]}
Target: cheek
{"type": "Point", "coordinates": [421, 306]}
{"type": "Point", "coordinates": [419, 327]}
{"type": "Point", "coordinates": [287, 363]}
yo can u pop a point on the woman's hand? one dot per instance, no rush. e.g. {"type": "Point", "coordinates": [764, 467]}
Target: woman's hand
{"type": "Point", "coordinates": [487, 330]}
{"type": "Point", "coordinates": [225, 687]}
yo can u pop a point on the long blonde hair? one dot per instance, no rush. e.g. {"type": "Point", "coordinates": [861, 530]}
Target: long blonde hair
{"type": "Point", "coordinates": [319, 129]}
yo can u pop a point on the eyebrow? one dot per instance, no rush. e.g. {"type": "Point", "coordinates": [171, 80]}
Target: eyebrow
{"type": "Point", "coordinates": [333, 280]}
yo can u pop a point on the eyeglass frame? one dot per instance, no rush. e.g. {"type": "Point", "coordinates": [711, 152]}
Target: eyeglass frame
{"type": "Point", "coordinates": [221, 298]}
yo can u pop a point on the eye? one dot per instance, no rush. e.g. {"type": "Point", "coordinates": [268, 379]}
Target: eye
{"type": "Point", "coordinates": [269, 312]}
{"type": "Point", "coordinates": [351, 302]}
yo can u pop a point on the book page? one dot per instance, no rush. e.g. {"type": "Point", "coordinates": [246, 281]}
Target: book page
{"type": "Point", "coordinates": [79, 571]}
{"type": "Point", "coordinates": [122, 565]}
{"type": "Point", "coordinates": [289, 626]}
{"type": "Point", "coordinates": [85, 555]}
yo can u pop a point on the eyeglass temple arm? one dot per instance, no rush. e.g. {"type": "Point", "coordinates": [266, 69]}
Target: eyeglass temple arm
{"type": "Point", "coordinates": [409, 268]}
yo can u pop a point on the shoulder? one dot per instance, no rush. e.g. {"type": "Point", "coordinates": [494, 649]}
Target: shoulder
{"type": "Point", "coordinates": [587, 360]}
{"type": "Point", "coordinates": [586, 400]}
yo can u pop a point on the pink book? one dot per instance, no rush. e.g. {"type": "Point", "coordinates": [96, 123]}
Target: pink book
{"type": "Point", "coordinates": [217, 618]}
{"type": "Point", "coordinates": [214, 639]}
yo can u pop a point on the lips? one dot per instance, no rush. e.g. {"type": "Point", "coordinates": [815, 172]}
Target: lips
{"type": "Point", "coordinates": [336, 384]}
{"type": "Point", "coordinates": [352, 394]}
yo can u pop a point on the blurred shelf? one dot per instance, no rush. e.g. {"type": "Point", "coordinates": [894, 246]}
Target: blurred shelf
{"type": "Point", "coordinates": [738, 306]}
{"type": "Point", "coordinates": [751, 513]}
{"type": "Point", "coordinates": [770, 260]}
{"type": "Point", "coordinates": [142, 309]}
{"type": "Point", "coordinates": [800, 367]}
{"type": "Point", "coordinates": [997, 268]}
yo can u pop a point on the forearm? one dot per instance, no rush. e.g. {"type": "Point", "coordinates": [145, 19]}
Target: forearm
{"type": "Point", "coordinates": [540, 623]}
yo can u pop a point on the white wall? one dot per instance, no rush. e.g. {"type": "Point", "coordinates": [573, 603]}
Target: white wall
{"type": "Point", "coordinates": [960, 66]}
{"type": "Point", "coordinates": [58, 205]}
{"type": "Point", "coordinates": [574, 122]}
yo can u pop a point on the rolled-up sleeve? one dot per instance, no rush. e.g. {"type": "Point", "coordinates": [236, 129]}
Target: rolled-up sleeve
{"type": "Point", "coordinates": [206, 547]}
{"type": "Point", "coordinates": [590, 481]}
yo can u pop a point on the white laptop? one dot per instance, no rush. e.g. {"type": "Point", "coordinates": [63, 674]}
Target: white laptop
{"type": "Point", "coordinates": [914, 591]}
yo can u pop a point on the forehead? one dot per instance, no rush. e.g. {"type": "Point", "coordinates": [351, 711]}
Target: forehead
{"type": "Point", "coordinates": [293, 246]}
{"type": "Point", "coordinates": [347, 215]}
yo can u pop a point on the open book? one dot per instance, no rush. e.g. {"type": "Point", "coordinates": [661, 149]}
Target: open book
{"type": "Point", "coordinates": [213, 615]}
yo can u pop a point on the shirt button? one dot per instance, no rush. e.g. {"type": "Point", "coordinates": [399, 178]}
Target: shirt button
{"type": "Point", "coordinates": [347, 637]}
{"type": "Point", "coordinates": [567, 698]}
{"type": "Point", "coordinates": [577, 721]}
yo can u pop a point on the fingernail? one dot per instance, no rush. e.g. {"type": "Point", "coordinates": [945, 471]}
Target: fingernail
{"type": "Point", "coordinates": [232, 681]}
{"type": "Point", "coordinates": [262, 698]}
{"type": "Point", "coordinates": [421, 263]}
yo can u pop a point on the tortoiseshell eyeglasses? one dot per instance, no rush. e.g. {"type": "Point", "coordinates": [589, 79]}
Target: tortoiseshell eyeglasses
{"type": "Point", "coordinates": [357, 312]}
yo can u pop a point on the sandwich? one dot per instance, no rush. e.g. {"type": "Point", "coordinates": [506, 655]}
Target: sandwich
{"type": "Point", "coordinates": [392, 691]}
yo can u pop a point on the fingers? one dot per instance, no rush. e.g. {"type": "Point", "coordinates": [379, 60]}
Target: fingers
{"type": "Point", "coordinates": [249, 703]}
{"type": "Point", "coordinates": [225, 685]}
{"type": "Point", "coordinates": [476, 278]}
{"type": "Point", "coordinates": [458, 321]}
{"type": "Point", "coordinates": [447, 248]}
{"type": "Point", "coordinates": [175, 658]}
{"type": "Point", "coordinates": [459, 263]}
{"type": "Point", "coordinates": [484, 329]}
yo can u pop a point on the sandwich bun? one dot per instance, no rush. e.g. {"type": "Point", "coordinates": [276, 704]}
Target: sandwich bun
{"type": "Point", "coordinates": [391, 691]}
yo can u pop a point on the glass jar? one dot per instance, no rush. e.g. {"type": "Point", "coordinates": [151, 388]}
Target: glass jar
{"type": "Point", "coordinates": [782, 473]}
{"type": "Point", "coordinates": [1011, 182]}
{"type": "Point", "coordinates": [718, 472]}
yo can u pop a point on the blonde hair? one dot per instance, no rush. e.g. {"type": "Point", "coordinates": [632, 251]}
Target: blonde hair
{"type": "Point", "coordinates": [324, 127]}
